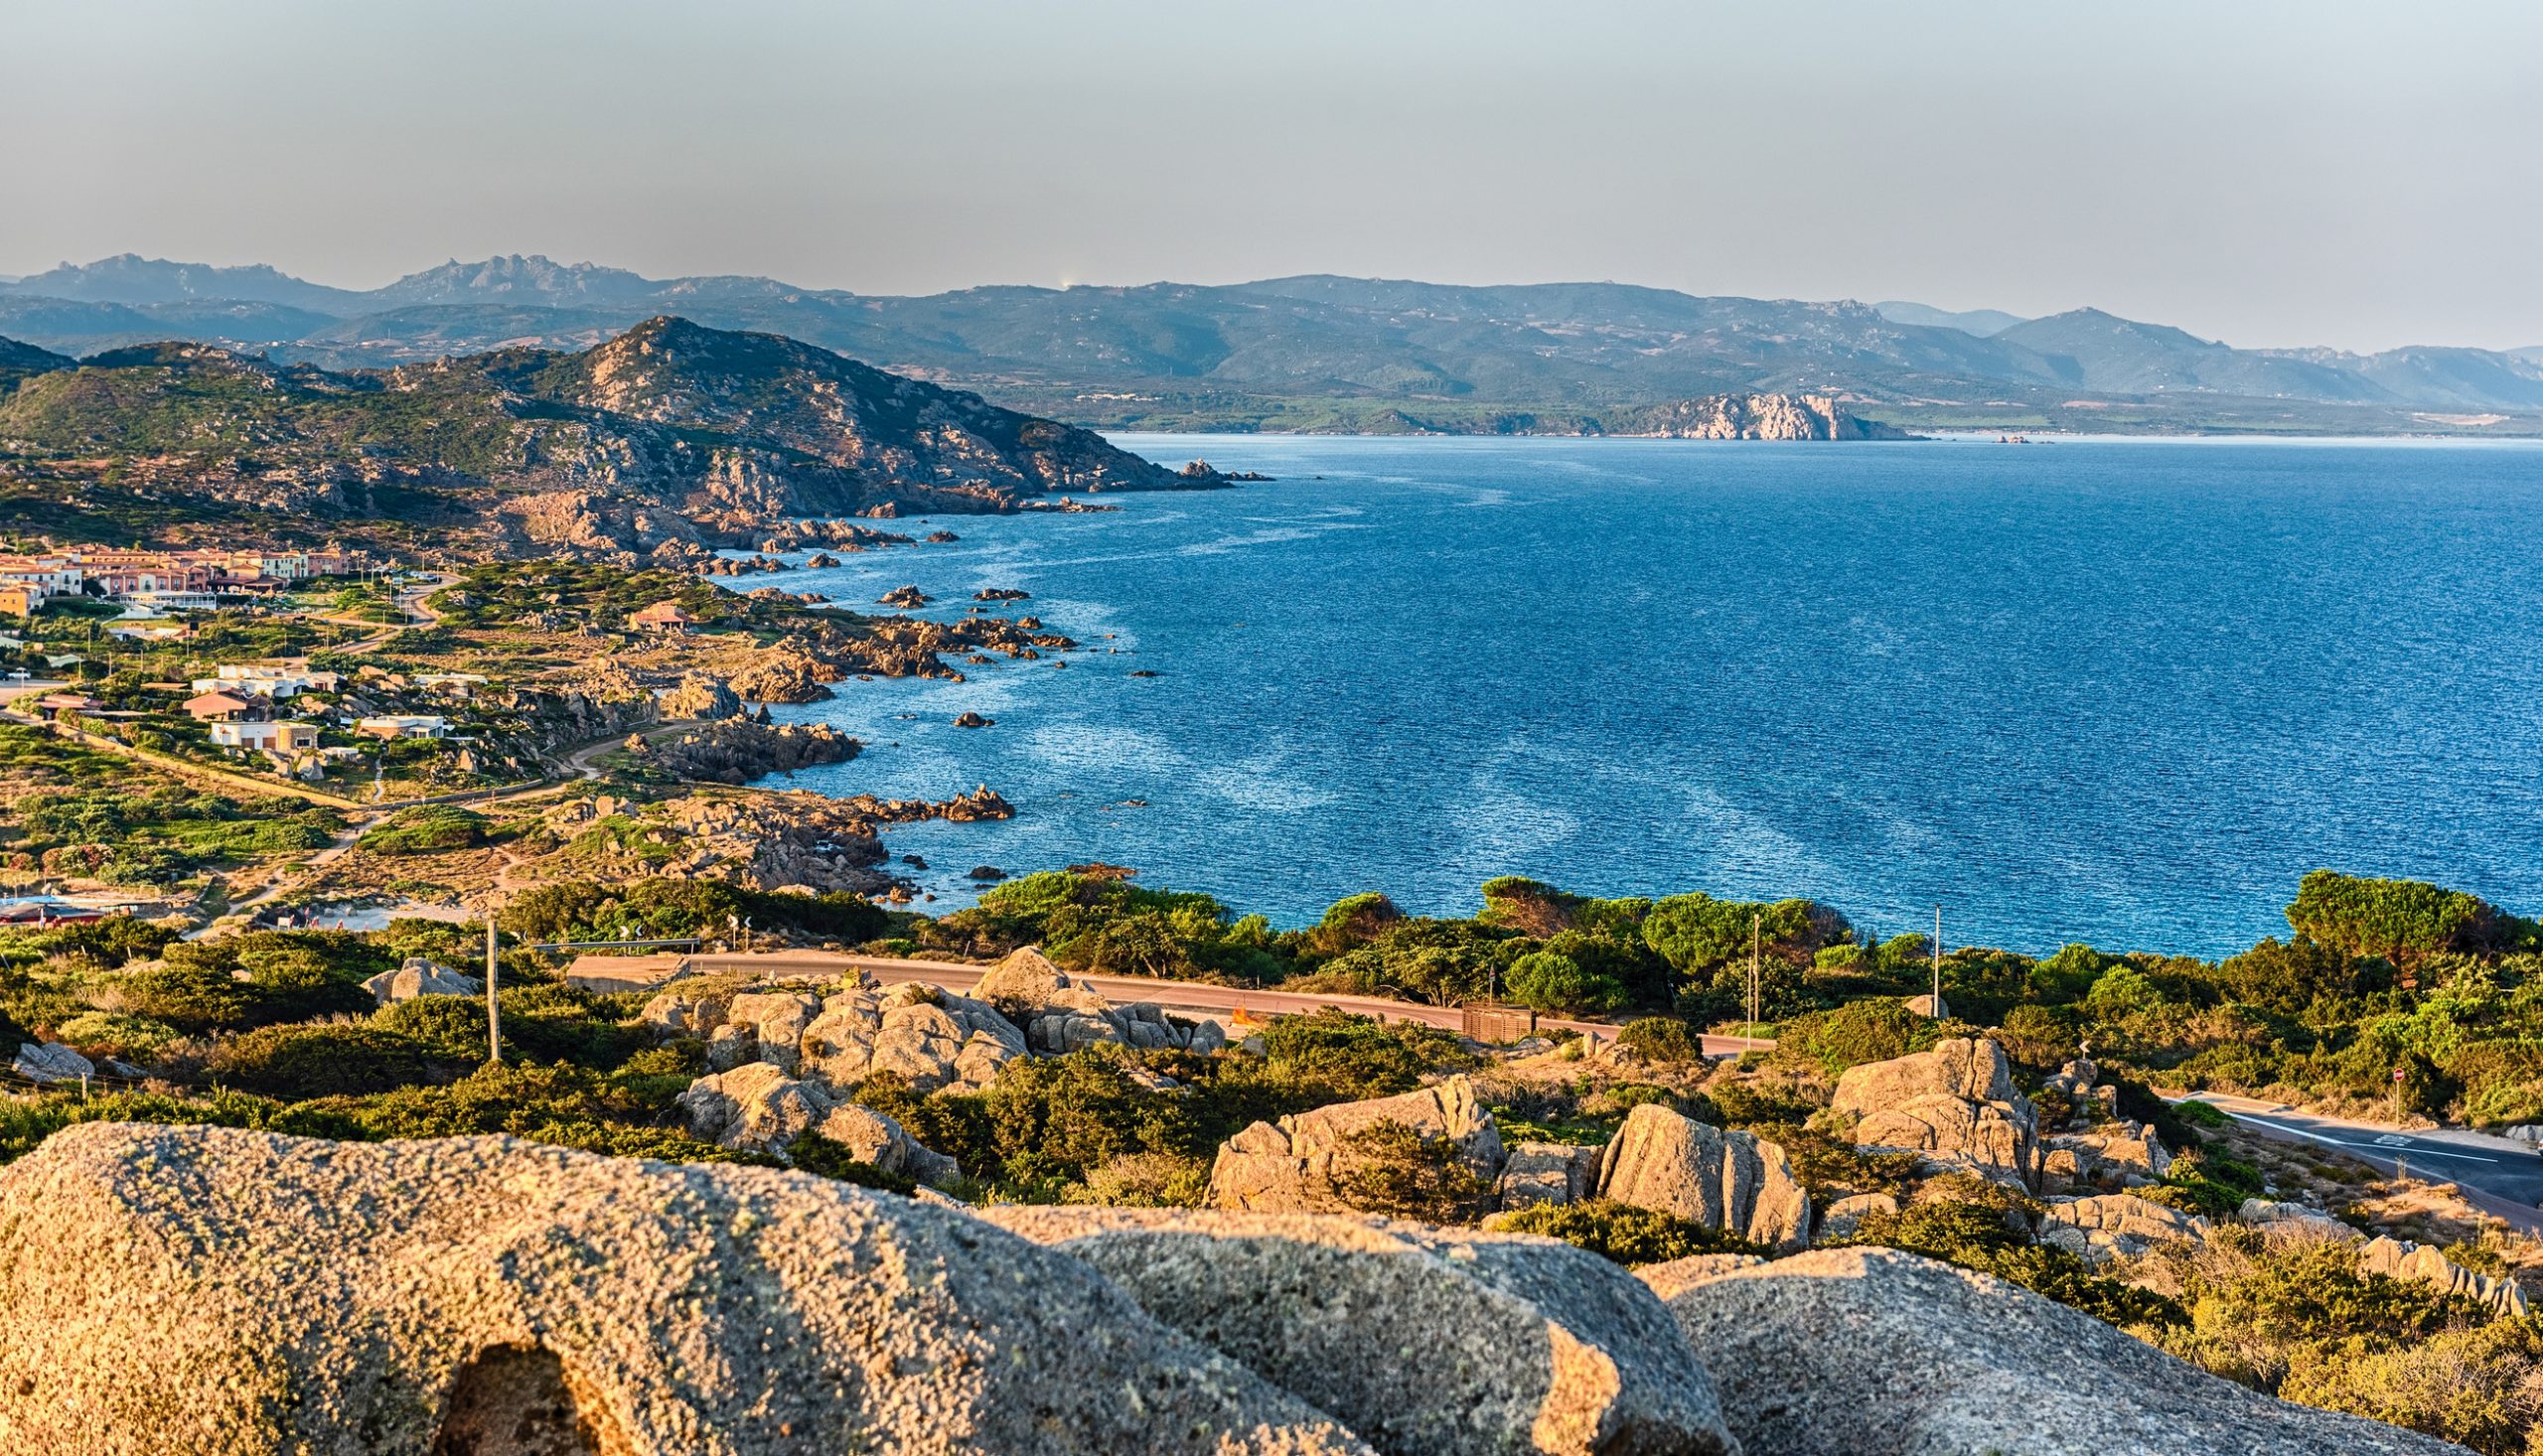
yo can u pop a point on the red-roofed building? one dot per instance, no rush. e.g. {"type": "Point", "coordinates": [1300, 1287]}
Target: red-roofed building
{"type": "Point", "coordinates": [661, 617]}
{"type": "Point", "coordinates": [218, 707]}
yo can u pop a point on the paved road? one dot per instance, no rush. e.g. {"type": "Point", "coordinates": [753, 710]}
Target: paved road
{"type": "Point", "coordinates": [2499, 1176]}
{"type": "Point", "coordinates": [1173, 994]}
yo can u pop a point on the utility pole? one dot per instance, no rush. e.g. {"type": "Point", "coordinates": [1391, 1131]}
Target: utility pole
{"type": "Point", "coordinates": [493, 1015]}
{"type": "Point", "coordinates": [1938, 963]}
{"type": "Point", "coordinates": [1756, 943]}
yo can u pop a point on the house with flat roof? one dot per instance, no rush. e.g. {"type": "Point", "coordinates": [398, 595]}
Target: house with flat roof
{"type": "Point", "coordinates": [412, 725]}
{"type": "Point", "coordinates": [271, 737]}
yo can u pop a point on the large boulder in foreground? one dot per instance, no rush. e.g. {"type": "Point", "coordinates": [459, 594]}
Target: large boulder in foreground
{"type": "Point", "coordinates": [1426, 1342]}
{"type": "Point", "coordinates": [1876, 1353]}
{"type": "Point", "coordinates": [1731, 1181]}
{"type": "Point", "coordinates": [1303, 1163]}
{"type": "Point", "coordinates": [228, 1294]}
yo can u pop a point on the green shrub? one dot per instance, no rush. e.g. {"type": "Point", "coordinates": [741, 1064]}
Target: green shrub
{"type": "Point", "coordinates": [1360, 1056]}
{"type": "Point", "coordinates": [814, 1153]}
{"type": "Point", "coordinates": [1390, 1168]}
{"type": "Point", "coordinates": [663, 908]}
{"type": "Point", "coordinates": [332, 1059]}
{"type": "Point", "coordinates": [542, 1024]}
{"type": "Point", "coordinates": [1661, 1039]}
{"type": "Point", "coordinates": [133, 1038]}
{"type": "Point", "coordinates": [2200, 1115]}
{"type": "Point", "coordinates": [1046, 1120]}
{"type": "Point", "coordinates": [1630, 1236]}
{"type": "Point", "coordinates": [2473, 1385]}
{"type": "Point", "coordinates": [2208, 1182]}
{"type": "Point", "coordinates": [426, 829]}
{"type": "Point", "coordinates": [1697, 933]}
{"type": "Point", "coordinates": [27, 1121]}
{"type": "Point", "coordinates": [1354, 920]}
{"type": "Point", "coordinates": [2402, 921]}
{"type": "Point", "coordinates": [1146, 1181]}
{"type": "Point", "coordinates": [1548, 982]}
{"type": "Point", "coordinates": [1978, 1236]}
{"type": "Point", "coordinates": [106, 943]}
{"type": "Point", "coordinates": [199, 999]}
{"type": "Point", "coordinates": [1878, 1029]}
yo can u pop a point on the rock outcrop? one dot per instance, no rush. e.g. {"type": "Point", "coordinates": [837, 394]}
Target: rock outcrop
{"type": "Point", "coordinates": [778, 676]}
{"type": "Point", "coordinates": [224, 1292]}
{"type": "Point", "coordinates": [421, 977]}
{"type": "Point", "coordinates": [1426, 1342]}
{"type": "Point", "coordinates": [737, 751]}
{"type": "Point", "coordinates": [221, 1292]}
{"type": "Point", "coordinates": [2115, 1155]}
{"type": "Point", "coordinates": [837, 1035]}
{"type": "Point", "coordinates": [1061, 1014]}
{"type": "Point", "coordinates": [2425, 1264]}
{"type": "Point", "coordinates": [1750, 418]}
{"type": "Point", "coordinates": [1724, 1180]}
{"type": "Point", "coordinates": [786, 1055]}
{"type": "Point", "coordinates": [1843, 1218]}
{"type": "Point", "coordinates": [2296, 1218]}
{"type": "Point", "coordinates": [1872, 1352]}
{"type": "Point", "coordinates": [1549, 1172]}
{"type": "Point", "coordinates": [1955, 1103]}
{"type": "Point", "coordinates": [1302, 1164]}
{"type": "Point", "coordinates": [47, 1064]}
{"type": "Point", "coordinates": [702, 698]}
{"type": "Point", "coordinates": [2117, 1226]}
{"type": "Point", "coordinates": [758, 1109]}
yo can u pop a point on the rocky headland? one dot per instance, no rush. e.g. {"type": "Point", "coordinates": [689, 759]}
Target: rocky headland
{"type": "Point", "coordinates": [666, 444]}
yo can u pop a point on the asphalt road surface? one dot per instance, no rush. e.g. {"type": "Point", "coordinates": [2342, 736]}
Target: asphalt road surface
{"type": "Point", "coordinates": [2496, 1175]}
{"type": "Point", "coordinates": [1174, 996]}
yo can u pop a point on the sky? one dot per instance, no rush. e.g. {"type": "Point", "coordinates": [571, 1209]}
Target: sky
{"type": "Point", "coordinates": [2268, 174]}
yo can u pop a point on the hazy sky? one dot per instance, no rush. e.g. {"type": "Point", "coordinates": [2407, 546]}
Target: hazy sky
{"type": "Point", "coordinates": [2361, 174]}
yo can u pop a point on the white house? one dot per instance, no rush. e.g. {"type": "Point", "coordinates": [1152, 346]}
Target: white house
{"type": "Point", "coordinates": [264, 682]}
{"type": "Point", "coordinates": [411, 725]}
{"type": "Point", "coordinates": [274, 737]}
{"type": "Point", "coordinates": [173, 599]}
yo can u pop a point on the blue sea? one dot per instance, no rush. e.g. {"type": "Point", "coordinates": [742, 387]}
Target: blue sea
{"type": "Point", "coordinates": [2118, 692]}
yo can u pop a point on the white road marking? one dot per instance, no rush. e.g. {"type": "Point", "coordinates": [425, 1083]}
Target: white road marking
{"type": "Point", "coordinates": [2382, 1145]}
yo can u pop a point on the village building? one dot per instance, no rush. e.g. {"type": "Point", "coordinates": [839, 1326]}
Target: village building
{"type": "Point", "coordinates": [268, 679]}
{"type": "Point", "coordinates": [666, 616]}
{"type": "Point", "coordinates": [404, 725]}
{"type": "Point", "coordinates": [174, 599]}
{"type": "Point", "coordinates": [214, 706]}
{"type": "Point", "coordinates": [271, 737]}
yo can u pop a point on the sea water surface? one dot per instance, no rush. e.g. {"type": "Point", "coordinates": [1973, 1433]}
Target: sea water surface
{"type": "Point", "coordinates": [2118, 692]}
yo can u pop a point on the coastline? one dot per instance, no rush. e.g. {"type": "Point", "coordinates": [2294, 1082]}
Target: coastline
{"type": "Point", "coordinates": [1072, 750]}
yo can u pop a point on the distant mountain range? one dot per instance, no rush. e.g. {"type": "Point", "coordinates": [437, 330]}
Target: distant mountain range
{"type": "Point", "coordinates": [1331, 353]}
{"type": "Point", "coordinates": [1985, 323]}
